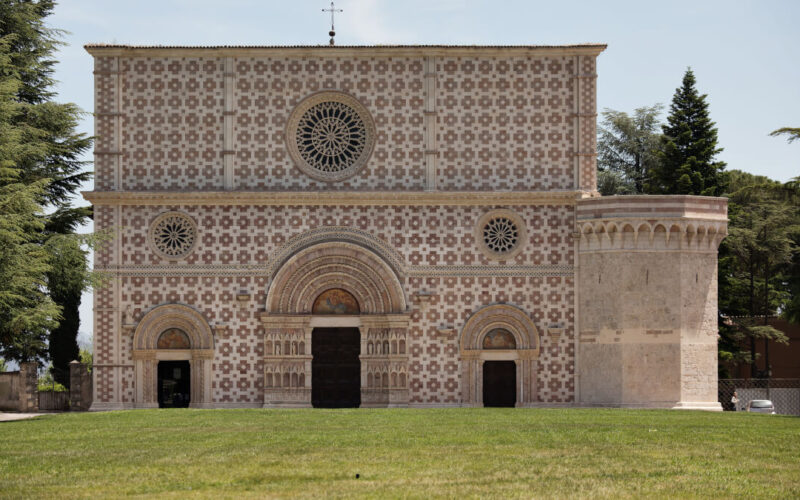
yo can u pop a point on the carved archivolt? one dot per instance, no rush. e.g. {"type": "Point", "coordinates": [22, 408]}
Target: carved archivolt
{"type": "Point", "coordinates": [168, 316]}
{"type": "Point", "coordinates": [344, 234]}
{"type": "Point", "coordinates": [660, 234]}
{"type": "Point", "coordinates": [500, 316]}
{"type": "Point", "coordinates": [346, 266]}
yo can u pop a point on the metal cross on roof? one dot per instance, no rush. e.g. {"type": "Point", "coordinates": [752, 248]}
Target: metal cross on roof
{"type": "Point", "coordinates": [332, 32]}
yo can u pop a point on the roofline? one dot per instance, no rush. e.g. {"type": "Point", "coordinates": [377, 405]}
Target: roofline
{"type": "Point", "coordinates": [112, 50]}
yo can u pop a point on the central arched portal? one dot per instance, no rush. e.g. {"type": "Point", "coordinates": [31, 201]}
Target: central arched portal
{"type": "Point", "coordinates": [335, 329]}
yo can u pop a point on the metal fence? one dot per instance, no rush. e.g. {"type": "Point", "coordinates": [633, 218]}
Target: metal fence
{"type": "Point", "coordinates": [783, 392]}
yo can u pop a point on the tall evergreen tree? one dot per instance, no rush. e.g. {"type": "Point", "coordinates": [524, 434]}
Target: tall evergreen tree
{"type": "Point", "coordinates": [55, 163]}
{"type": "Point", "coordinates": [687, 158]}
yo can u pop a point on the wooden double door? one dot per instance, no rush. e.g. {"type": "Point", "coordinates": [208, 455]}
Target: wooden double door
{"type": "Point", "coordinates": [335, 368]}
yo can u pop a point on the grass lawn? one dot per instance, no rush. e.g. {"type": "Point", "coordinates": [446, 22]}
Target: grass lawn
{"type": "Point", "coordinates": [418, 453]}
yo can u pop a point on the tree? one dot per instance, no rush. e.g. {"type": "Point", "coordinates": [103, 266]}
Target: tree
{"type": "Point", "coordinates": [687, 162]}
{"type": "Point", "coordinates": [755, 263]}
{"type": "Point", "coordinates": [627, 148]}
{"type": "Point", "coordinates": [66, 280]}
{"type": "Point", "coordinates": [793, 133]}
{"type": "Point", "coordinates": [87, 358]}
{"type": "Point", "coordinates": [26, 311]}
{"type": "Point", "coordinates": [51, 162]}
{"type": "Point", "coordinates": [791, 310]}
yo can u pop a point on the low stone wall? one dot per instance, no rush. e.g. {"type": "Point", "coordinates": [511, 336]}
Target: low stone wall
{"type": "Point", "coordinates": [28, 387]}
{"type": "Point", "coordinates": [19, 390]}
{"type": "Point", "coordinates": [80, 386]}
{"type": "Point", "coordinates": [9, 391]}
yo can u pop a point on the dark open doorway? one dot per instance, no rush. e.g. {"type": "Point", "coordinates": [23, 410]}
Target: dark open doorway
{"type": "Point", "coordinates": [336, 369]}
{"type": "Point", "coordinates": [499, 383]}
{"type": "Point", "coordinates": [174, 384]}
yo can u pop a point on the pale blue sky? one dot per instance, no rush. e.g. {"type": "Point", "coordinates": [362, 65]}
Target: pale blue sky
{"type": "Point", "coordinates": [745, 54]}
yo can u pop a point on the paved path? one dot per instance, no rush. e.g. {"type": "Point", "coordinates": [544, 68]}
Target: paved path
{"type": "Point", "coordinates": [7, 417]}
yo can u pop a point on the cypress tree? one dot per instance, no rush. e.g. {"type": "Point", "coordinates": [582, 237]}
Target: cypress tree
{"type": "Point", "coordinates": [687, 162]}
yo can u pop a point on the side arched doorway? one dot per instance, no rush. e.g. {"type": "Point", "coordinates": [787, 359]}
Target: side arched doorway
{"type": "Point", "coordinates": [499, 347]}
{"type": "Point", "coordinates": [499, 376]}
{"type": "Point", "coordinates": [339, 299]}
{"type": "Point", "coordinates": [173, 347]}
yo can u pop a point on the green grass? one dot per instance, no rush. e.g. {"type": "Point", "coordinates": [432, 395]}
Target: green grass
{"type": "Point", "coordinates": [401, 453]}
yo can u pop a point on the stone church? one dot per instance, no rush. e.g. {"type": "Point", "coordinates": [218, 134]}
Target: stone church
{"type": "Point", "coordinates": [384, 226]}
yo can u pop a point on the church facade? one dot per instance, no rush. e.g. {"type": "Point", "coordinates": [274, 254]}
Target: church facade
{"type": "Point", "coordinates": [384, 227]}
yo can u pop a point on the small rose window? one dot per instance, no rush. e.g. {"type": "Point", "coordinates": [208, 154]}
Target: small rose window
{"type": "Point", "coordinates": [173, 235]}
{"type": "Point", "coordinates": [501, 234]}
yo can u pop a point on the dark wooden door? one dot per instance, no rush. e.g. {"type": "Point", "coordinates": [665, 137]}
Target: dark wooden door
{"type": "Point", "coordinates": [174, 384]}
{"type": "Point", "coordinates": [499, 383]}
{"type": "Point", "coordinates": [335, 369]}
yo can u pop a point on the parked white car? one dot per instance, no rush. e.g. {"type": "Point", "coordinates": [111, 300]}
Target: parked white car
{"type": "Point", "coordinates": [760, 406]}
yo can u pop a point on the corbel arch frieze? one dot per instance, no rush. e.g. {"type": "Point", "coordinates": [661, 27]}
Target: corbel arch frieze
{"type": "Point", "coordinates": [658, 234]}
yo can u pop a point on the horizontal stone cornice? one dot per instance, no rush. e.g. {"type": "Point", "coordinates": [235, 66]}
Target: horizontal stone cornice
{"type": "Point", "coordinates": [652, 207]}
{"type": "Point", "coordinates": [100, 50]}
{"type": "Point", "coordinates": [320, 198]}
{"type": "Point", "coordinates": [651, 223]}
{"type": "Point", "coordinates": [149, 270]}
{"type": "Point", "coordinates": [280, 320]}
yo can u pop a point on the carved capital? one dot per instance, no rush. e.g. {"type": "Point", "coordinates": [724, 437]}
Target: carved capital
{"type": "Point", "coordinates": [222, 331]}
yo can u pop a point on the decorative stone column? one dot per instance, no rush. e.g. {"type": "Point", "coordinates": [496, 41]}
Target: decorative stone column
{"type": "Point", "coordinates": [471, 379]}
{"type": "Point", "coordinates": [384, 361]}
{"type": "Point", "coordinates": [648, 300]}
{"type": "Point", "coordinates": [287, 361]}
{"type": "Point", "coordinates": [146, 378]}
{"type": "Point", "coordinates": [527, 367]}
{"type": "Point", "coordinates": [200, 366]}
{"type": "Point", "coordinates": [28, 387]}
